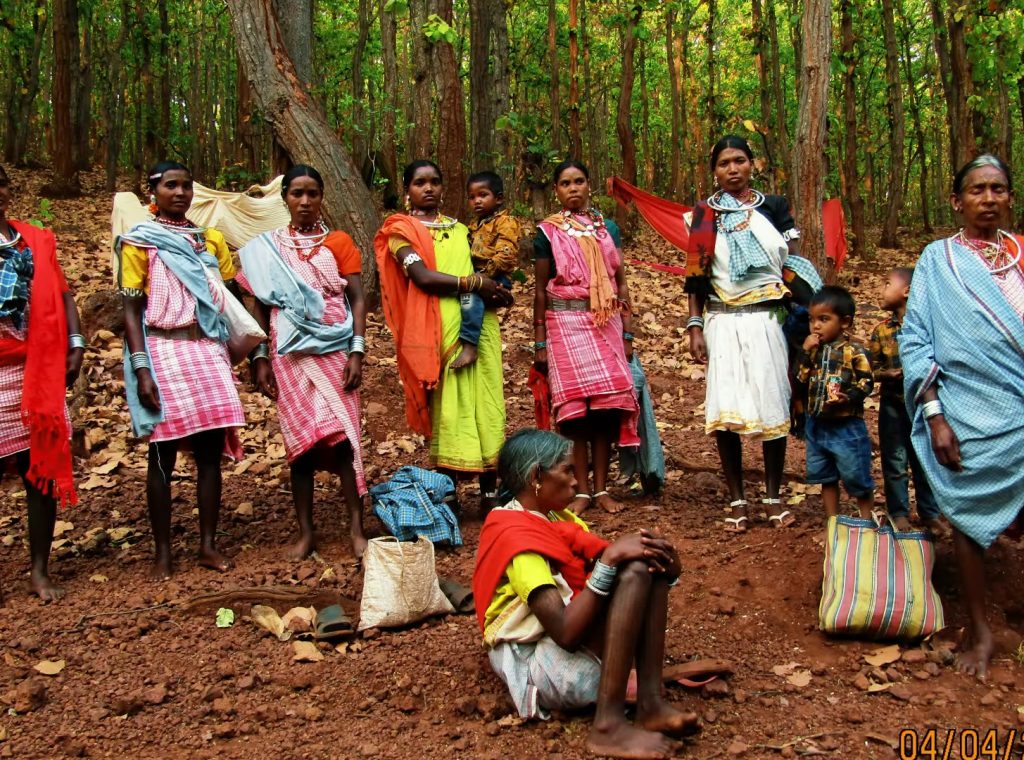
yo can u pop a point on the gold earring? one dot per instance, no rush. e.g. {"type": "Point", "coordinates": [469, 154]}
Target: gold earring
{"type": "Point", "coordinates": [408, 205]}
{"type": "Point", "coordinates": [536, 489]}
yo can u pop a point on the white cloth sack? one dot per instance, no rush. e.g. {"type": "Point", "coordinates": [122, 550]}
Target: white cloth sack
{"type": "Point", "coordinates": [244, 332]}
{"type": "Point", "coordinates": [399, 584]}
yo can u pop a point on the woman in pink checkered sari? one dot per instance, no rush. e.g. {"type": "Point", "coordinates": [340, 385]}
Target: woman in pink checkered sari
{"type": "Point", "coordinates": [316, 385]}
{"type": "Point", "coordinates": [178, 375]}
{"type": "Point", "coordinates": [583, 333]}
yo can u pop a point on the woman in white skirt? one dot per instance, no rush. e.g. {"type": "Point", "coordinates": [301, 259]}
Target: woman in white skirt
{"type": "Point", "coordinates": [739, 241]}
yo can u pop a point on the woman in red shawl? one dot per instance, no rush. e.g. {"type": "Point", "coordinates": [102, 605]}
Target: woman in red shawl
{"type": "Point", "coordinates": [565, 614]}
{"type": "Point", "coordinates": [41, 349]}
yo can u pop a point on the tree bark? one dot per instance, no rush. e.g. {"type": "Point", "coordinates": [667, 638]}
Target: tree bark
{"type": "Point", "coordinates": [65, 41]}
{"type": "Point", "coordinates": [500, 76]}
{"type": "Point", "coordinates": [556, 106]}
{"type": "Point", "coordinates": [848, 57]}
{"type": "Point", "coordinates": [422, 101]}
{"type": "Point", "coordinates": [764, 88]}
{"type": "Point", "coordinates": [82, 94]}
{"type": "Point", "coordinates": [575, 135]}
{"type": "Point", "coordinates": [962, 86]}
{"type": "Point", "coordinates": [919, 137]}
{"type": "Point", "coordinates": [713, 108]}
{"type": "Point", "coordinates": [816, 33]}
{"type": "Point", "coordinates": [115, 100]}
{"type": "Point", "coordinates": [451, 134]}
{"type": "Point", "coordinates": [676, 91]}
{"type": "Point", "coordinates": [300, 126]}
{"type": "Point", "coordinates": [623, 120]}
{"type": "Point", "coordinates": [897, 129]}
{"type": "Point", "coordinates": [360, 146]}
{"type": "Point", "coordinates": [389, 151]}
{"type": "Point", "coordinates": [780, 126]}
{"type": "Point", "coordinates": [24, 80]}
{"type": "Point", "coordinates": [481, 117]}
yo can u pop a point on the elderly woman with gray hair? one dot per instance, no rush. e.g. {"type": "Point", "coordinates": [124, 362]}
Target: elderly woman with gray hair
{"type": "Point", "coordinates": [550, 595]}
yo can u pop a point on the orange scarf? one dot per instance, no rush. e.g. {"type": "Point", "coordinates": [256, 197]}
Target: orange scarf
{"type": "Point", "coordinates": [413, 316]}
{"type": "Point", "coordinates": [602, 297]}
{"type": "Point", "coordinates": [45, 355]}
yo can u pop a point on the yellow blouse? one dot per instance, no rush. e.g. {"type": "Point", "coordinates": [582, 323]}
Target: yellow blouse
{"type": "Point", "coordinates": [135, 261]}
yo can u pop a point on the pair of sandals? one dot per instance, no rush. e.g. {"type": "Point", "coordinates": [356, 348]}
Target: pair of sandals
{"type": "Point", "coordinates": [782, 519]}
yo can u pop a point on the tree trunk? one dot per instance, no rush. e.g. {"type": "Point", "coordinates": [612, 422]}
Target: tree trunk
{"type": "Point", "coordinates": [500, 77]}
{"type": "Point", "coordinates": [816, 34]}
{"type": "Point", "coordinates": [623, 122]}
{"type": "Point", "coordinates": [897, 129]}
{"type": "Point", "coordinates": [115, 100]}
{"type": "Point", "coordinates": [676, 89]}
{"type": "Point", "coordinates": [451, 134]}
{"type": "Point", "coordinates": [389, 151]}
{"type": "Point", "coordinates": [919, 138]}
{"type": "Point", "coordinates": [962, 89]}
{"type": "Point", "coordinates": [422, 101]}
{"type": "Point", "coordinates": [300, 126]}
{"type": "Point", "coordinates": [780, 126]}
{"type": "Point", "coordinates": [556, 106]}
{"type": "Point", "coordinates": [360, 146]}
{"type": "Point", "coordinates": [764, 88]}
{"type": "Point", "coordinates": [65, 41]}
{"type": "Point", "coordinates": [589, 97]}
{"type": "Point", "coordinates": [848, 57]}
{"type": "Point", "coordinates": [575, 135]}
{"type": "Point", "coordinates": [24, 83]}
{"type": "Point", "coordinates": [82, 95]}
{"type": "Point", "coordinates": [481, 117]}
{"type": "Point", "coordinates": [713, 108]}
{"type": "Point", "coordinates": [164, 61]}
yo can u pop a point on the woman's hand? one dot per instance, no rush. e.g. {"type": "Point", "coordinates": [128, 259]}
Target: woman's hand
{"type": "Point", "coordinates": [493, 293]}
{"type": "Point", "coordinates": [540, 360]}
{"type": "Point", "coordinates": [944, 443]}
{"type": "Point", "coordinates": [698, 348]}
{"type": "Point", "coordinates": [628, 346]}
{"type": "Point", "coordinates": [73, 366]}
{"type": "Point", "coordinates": [263, 378]}
{"type": "Point", "coordinates": [625, 549]}
{"type": "Point", "coordinates": [353, 376]}
{"type": "Point", "coordinates": [148, 394]}
{"type": "Point", "coordinates": [661, 555]}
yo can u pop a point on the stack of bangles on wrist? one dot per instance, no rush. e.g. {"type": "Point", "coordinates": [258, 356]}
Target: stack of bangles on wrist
{"type": "Point", "coordinates": [358, 345]}
{"type": "Point", "coordinates": [262, 351]}
{"type": "Point", "coordinates": [932, 408]}
{"type": "Point", "coordinates": [76, 340]}
{"type": "Point", "coordinates": [626, 335]}
{"type": "Point", "coordinates": [695, 322]}
{"type": "Point", "coordinates": [602, 578]}
{"type": "Point", "coordinates": [471, 283]}
{"type": "Point", "coordinates": [539, 344]}
{"type": "Point", "coordinates": [139, 360]}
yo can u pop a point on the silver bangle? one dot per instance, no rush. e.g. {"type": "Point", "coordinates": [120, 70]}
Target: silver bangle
{"type": "Point", "coordinates": [931, 408]}
{"type": "Point", "coordinates": [409, 260]}
{"type": "Point", "coordinates": [674, 582]}
{"type": "Point", "coordinates": [262, 351]}
{"type": "Point", "coordinates": [695, 322]}
{"type": "Point", "coordinates": [139, 360]}
{"type": "Point", "coordinates": [76, 340]}
{"type": "Point", "coordinates": [358, 345]}
{"type": "Point", "coordinates": [602, 579]}
{"type": "Point", "coordinates": [593, 587]}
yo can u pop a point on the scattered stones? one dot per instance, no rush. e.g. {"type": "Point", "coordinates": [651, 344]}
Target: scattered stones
{"type": "Point", "coordinates": [861, 682]}
{"type": "Point", "coordinates": [899, 692]}
{"type": "Point", "coordinates": [913, 656]}
{"type": "Point", "coordinates": [223, 706]}
{"type": "Point", "coordinates": [992, 699]}
{"type": "Point", "coordinates": [737, 748]}
{"type": "Point", "coordinates": [725, 606]}
{"type": "Point", "coordinates": [30, 695]}
{"type": "Point", "coordinates": [156, 695]}
{"type": "Point", "coordinates": [717, 689]}
{"type": "Point", "coordinates": [245, 683]}
{"type": "Point", "coordinates": [313, 714]}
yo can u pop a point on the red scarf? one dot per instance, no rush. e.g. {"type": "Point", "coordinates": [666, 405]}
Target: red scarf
{"type": "Point", "coordinates": [541, 390]}
{"type": "Point", "coordinates": [413, 316]}
{"type": "Point", "coordinates": [508, 532]}
{"type": "Point", "coordinates": [44, 354]}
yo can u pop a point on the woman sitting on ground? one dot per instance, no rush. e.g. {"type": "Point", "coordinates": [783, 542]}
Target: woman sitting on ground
{"type": "Point", "coordinates": [309, 300]}
{"type": "Point", "coordinates": [543, 618]}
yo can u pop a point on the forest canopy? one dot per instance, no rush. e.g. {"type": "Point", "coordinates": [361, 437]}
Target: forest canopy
{"type": "Point", "coordinates": [638, 89]}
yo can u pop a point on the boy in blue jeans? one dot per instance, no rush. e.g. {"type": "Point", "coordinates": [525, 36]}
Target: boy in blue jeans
{"type": "Point", "coordinates": [837, 372]}
{"type": "Point", "coordinates": [494, 248]}
{"type": "Point", "coordinates": [893, 420]}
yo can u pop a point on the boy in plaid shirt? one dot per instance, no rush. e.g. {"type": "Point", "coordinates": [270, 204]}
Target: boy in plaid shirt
{"type": "Point", "coordinates": [893, 420]}
{"type": "Point", "coordinates": [837, 372]}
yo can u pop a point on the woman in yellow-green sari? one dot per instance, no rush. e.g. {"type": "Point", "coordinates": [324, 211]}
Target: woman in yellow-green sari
{"type": "Point", "coordinates": [425, 267]}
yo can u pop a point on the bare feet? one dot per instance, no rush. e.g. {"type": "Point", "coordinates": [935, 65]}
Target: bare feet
{"type": "Point", "coordinates": [466, 356]}
{"type": "Point", "coordinates": [608, 503]}
{"type": "Point", "coordinates": [901, 523]}
{"type": "Point", "coordinates": [977, 653]}
{"type": "Point", "coordinates": [163, 568]}
{"type": "Point", "coordinates": [626, 741]}
{"type": "Point", "coordinates": [43, 587]}
{"type": "Point", "coordinates": [664, 718]}
{"type": "Point", "coordinates": [214, 560]}
{"type": "Point", "coordinates": [305, 546]}
{"type": "Point", "coordinates": [579, 504]}
{"type": "Point", "coordinates": [936, 527]}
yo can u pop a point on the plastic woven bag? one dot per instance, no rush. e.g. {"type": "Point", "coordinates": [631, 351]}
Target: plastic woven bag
{"type": "Point", "coordinates": [399, 584]}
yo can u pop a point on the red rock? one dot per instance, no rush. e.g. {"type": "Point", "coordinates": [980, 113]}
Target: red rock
{"type": "Point", "coordinates": [30, 695]}
{"type": "Point", "coordinates": [313, 714]}
{"type": "Point", "coordinates": [156, 695]}
{"type": "Point", "coordinates": [245, 683]}
{"type": "Point", "coordinates": [717, 689]}
{"type": "Point", "coordinates": [223, 706]}
{"type": "Point", "coordinates": [861, 682]}
{"type": "Point", "coordinates": [991, 699]}
{"type": "Point", "coordinates": [737, 748]}
{"type": "Point", "coordinates": [900, 692]}
{"type": "Point", "coordinates": [913, 656]}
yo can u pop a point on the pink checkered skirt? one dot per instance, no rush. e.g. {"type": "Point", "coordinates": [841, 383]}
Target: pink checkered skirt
{"type": "Point", "coordinates": [197, 390]}
{"type": "Point", "coordinates": [14, 435]}
{"type": "Point", "coordinates": [312, 405]}
{"type": "Point", "coordinates": [587, 370]}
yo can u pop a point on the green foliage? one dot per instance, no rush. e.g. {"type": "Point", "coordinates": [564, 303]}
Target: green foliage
{"type": "Point", "coordinates": [44, 214]}
{"type": "Point", "coordinates": [436, 29]}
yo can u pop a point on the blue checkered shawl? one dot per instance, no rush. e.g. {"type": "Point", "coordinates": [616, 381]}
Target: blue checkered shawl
{"type": "Point", "coordinates": [961, 333]}
{"type": "Point", "coordinates": [413, 504]}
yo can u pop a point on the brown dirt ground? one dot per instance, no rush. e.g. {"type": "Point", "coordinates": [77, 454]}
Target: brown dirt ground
{"type": "Point", "coordinates": [165, 682]}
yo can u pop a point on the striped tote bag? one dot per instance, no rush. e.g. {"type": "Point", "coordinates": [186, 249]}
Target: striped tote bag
{"type": "Point", "coordinates": [878, 582]}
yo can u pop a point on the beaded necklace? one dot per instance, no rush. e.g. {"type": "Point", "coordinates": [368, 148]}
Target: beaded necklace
{"type": "Point", "coordinates": [11, 242]}
{"type": "Point", "coordinates": [996, 255]}
{"type": "Point", "coordinates": [746, 207]}
{"type": "Point", "coordinates": [438, 226]}
{"type": "Point", "coordinates": [305, 241]}
{"type": "Point", "coordinates": [573, 227]}
{"type": "Point", "coordinates": [191, 232]}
